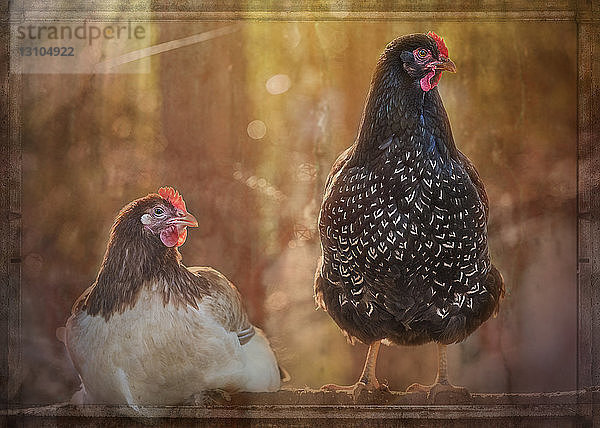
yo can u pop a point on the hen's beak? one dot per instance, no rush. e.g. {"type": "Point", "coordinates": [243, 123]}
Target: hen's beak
{"type": "Point", "coordinates": [185, 220]}
{"type": "Point", "coordinates": [446, 65]}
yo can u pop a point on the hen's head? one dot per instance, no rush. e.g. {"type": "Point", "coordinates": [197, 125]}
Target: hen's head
{"type": "Point", "coordinates": [422, 56]}
{"type": "Point", "coordinates": [161, 215]}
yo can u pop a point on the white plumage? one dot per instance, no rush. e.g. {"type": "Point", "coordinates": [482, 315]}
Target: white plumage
{"type": "Point", "coordinates": [164, 354]}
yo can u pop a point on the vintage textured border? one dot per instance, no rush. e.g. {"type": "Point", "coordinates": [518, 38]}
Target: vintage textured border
{"type": "Point", "coordinates": [585, 13]}
{"type": "Point", "coordinates": [588, 179]}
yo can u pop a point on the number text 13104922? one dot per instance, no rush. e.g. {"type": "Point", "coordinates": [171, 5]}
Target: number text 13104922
{"type": "Point", "coordinates": [47, 51]}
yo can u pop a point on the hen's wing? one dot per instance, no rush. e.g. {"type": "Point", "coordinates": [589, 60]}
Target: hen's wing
{"type": "Point", "coordinates": [227, 303]}
{"type": "Point", "coordinates": [335, 169]}
{"type": "Point", "coordinates": [476, 180]}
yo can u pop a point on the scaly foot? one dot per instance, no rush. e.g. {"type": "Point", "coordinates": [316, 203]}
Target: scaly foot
{"type": "Point", "coordinates": [356, 389]}
{"type": "Point", "coordinates": [367, 381]}
{"type": "Point", "coordinates": [447, 391]}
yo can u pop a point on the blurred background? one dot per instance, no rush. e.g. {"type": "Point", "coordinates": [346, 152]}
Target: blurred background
{"type": "Point", "coordinates": [246, 126]}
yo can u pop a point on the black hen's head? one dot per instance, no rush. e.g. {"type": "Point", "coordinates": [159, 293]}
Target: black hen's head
{"type": "Point", "coordinates": [160, 218]}
{"type": "Point", "coordinates": [421, 57]}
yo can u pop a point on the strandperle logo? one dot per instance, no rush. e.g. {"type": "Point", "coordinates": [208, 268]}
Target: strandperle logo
{"type": "Point", "coordinates": [85, 31]}
{"type": "Point", "coordinates": [53, 47]}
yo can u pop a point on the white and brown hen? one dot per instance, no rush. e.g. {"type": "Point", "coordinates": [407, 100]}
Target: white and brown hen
{"type": "Point", "coordinates": [152, 331]}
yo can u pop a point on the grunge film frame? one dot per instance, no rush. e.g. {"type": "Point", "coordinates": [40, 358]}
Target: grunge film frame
{"type": "Point", "coordinates": [581, 407]}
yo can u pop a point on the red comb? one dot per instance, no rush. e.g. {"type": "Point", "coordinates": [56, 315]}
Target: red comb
{"type": "Point", "coordinates": [172, 196]}
{"type": "Point", "coordinates": [440, 43]}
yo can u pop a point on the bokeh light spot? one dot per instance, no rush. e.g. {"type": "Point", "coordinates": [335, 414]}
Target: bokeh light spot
{"type": "Point", "coordinates": [257, 129]}
{"type": "Point", "coordinates": [278, 84]}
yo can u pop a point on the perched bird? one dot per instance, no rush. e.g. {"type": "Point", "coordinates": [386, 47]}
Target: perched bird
{"type": "Point", "coordinates": [152, 331]}
{"type": "Point", "coordinates": [403, 222]}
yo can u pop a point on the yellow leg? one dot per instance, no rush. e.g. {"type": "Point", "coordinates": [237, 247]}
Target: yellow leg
{"type": "Point", "coordinates": [442, 384]}
{"type": "Point", "coordinates": [367, 376]}
{"type": "Point", "coordinates": [367, 381]}
{"type": "Point", "coordinates": [442, 374]}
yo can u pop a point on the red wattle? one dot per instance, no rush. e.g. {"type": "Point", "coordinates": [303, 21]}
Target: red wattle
{"type": "Point", "coordinates": [171, 237]}
{"type": "Point", "coordinates": [426, 81]}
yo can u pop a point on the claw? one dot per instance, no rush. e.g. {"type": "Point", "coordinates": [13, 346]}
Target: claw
{"type": "Point", "coordinates": [368, 380]}
{"type": "Point", "coordinates": [454, 394]}
{"type": "Point", "coordinates": [355, 390]}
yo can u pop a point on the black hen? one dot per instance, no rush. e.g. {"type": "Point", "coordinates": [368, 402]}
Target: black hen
{"type": "Point", "coordinates": [403, 222]}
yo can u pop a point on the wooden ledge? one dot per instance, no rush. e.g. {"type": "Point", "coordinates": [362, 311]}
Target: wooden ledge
{"type": "Point", "coordinates": [318, 408]}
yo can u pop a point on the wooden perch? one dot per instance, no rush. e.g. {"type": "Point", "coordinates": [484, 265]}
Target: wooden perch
{"type": "Point", "coordinates": [318, 408]}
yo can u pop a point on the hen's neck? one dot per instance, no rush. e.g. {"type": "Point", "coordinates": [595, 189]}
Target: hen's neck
{"type": "Point", "coordinates": [397, 106]}
{"type": "Point", "coordinates": [131, 260]}
{"type": "Point", "coordinates": [136, 257]}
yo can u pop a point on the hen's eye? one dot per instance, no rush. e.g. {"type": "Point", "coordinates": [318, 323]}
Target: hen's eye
{"type": "Point", "coordinates": [158, 211]}
{"type": "Point", "coordinates": [422, 53]}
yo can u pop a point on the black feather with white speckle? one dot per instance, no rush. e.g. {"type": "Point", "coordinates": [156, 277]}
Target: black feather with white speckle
{"type": "Point", "coordinates": [403, 222]}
